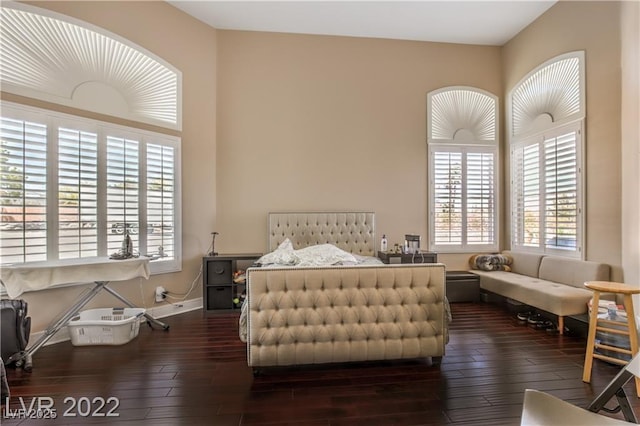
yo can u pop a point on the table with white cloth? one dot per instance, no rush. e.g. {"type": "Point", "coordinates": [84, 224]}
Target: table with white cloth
{"type": "Point", "coordinates": [34, 276]}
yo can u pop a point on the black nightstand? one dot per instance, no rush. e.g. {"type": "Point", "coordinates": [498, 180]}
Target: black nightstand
{"type": "Point", "coordinates": [219, 290]}
{"type": "Point", "coordinates": [421, 257]}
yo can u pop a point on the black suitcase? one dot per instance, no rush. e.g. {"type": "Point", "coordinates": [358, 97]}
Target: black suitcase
{"type": "Point", "coordinates": [16, 326]}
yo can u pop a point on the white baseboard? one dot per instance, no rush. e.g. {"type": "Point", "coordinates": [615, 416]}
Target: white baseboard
{"type": "Point", "coordinates": [162, 311]}
{"type": "Point", "coordinates": [176, 308]}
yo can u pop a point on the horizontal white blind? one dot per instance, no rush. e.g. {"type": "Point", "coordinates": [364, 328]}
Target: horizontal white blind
{"type": "Point", "coordinates": [160, 198]}
{"type": "Point", "coordinates": [77, 193]}
{"type": "Point", "coordinates": [480, 198]}
{"type": "Point", "coordinates": [447, 187]}
{"type": "Point", "coordinates": [525, 187]}
{"type": "Point", "coordinates": [23, 182]}
{"type": "Point", "coordinates": [561, 187]}
{"type": "Point", "coordinates": [123, 193]}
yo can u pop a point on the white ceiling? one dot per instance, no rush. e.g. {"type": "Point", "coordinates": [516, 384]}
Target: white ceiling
{"type": "Point", "coordinates": [452, 21]}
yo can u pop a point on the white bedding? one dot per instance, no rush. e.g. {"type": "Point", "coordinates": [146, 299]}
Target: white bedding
{"type": "Point", "coordinates": [316, 255]}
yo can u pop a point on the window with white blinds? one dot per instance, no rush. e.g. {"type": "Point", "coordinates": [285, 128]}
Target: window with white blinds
{"type": "Point", "coordinates": [464, 197]}
{"type": "Point", "coordinates": [463, 170]}
{"type": "Point", "coordinates": [123, 190]}
{"type": "Point", "coordinates": [447, 194]}
{"type": "Point", "coordinates": [547, 110]}
{"type": "Point", "coordinates": [546, 188]}
{"type": "Point", "coordinates": [77, 193]}
{"type": "Point", "coordinates": [161, 186]}
{"type": "Point", "coordinates": [23, 186]}
{"type": "Point", "coordinates": [73, 187]}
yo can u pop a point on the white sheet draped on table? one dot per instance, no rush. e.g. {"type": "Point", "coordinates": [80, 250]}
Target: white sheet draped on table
{"type": "Point", "coordinates": [32, 276]}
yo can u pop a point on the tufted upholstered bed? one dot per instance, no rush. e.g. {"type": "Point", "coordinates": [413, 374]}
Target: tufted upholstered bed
{"type": "Point", "coordinates": [334, 314]}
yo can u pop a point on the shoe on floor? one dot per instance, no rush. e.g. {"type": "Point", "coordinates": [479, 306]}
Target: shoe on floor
{"type": "Point", "coordinates": [524, 316]}
{"type": "Point", "coordinates": [535, 319]}
{"type": "Point", "coordinates": [546, 325]}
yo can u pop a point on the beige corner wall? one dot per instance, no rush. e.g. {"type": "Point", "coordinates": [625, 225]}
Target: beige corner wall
{"type": "Point", "coordinates": [630, 37]}
{"type": "Point", "coordinates": [319, 123]}
{"type": "Point", "coordinates": [190, 46]}
{"type": "Point", "coordinates": [595, 28]}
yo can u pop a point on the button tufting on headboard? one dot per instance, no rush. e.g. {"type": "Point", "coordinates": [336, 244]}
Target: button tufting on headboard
{"type": "Point", "coordinates": [351, 231]}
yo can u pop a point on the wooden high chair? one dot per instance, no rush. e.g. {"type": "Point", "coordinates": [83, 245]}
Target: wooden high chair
{"type": "Point", "coordinates": [612, 326]}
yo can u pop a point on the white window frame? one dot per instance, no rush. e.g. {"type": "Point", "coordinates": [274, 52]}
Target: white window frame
{"type": "Point", "coordinates": [462, 137]}
{"type": "Point", "coordinates": [53, 120]}
{"type": "Point", "coordinates": [548, 102]}
{"type": "Point", "coordinates": [518, 240]}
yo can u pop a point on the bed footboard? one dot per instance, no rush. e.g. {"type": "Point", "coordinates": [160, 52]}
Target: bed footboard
{"type": "Point", "coordinates": [341, 314]}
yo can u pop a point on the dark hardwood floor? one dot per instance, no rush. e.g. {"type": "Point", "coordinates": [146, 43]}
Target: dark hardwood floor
{"type": "Point", "coordinates": [196, 374]}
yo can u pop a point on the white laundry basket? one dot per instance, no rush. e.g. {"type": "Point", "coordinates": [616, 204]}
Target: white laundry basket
{"type": "Point", "coordinates": [105, 326]}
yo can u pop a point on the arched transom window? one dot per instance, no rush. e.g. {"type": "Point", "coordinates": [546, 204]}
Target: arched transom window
{"type": "Point", "coordinates": [57, 59]}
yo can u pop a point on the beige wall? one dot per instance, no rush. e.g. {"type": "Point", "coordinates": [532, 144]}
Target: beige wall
{"type": "Point", "coordinates": [630, 37]}
{"type": "Point", "coordinates": [595, 28]}
{"type": "Point", "coordinates": [331, 123]}
{"type": "Point", "coordinates": [190, 46]}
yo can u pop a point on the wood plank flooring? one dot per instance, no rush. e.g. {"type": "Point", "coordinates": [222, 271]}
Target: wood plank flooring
{"type": "Point", "coordinates": [196, 374]}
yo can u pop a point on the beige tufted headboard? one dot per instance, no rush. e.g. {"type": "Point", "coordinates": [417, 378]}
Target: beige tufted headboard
{"type": "Point", "coordinates": [351, 231]}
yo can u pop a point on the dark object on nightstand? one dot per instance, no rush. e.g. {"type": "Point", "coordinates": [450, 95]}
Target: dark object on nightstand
{"type": "Point", "coordinates": [463, 286]}
{"type": "Point", "coordinates": [222, 287]}
{"type": "Point", "coordinates": [420, 257]}
{"type": "Point", "coordinates": [213, 244]}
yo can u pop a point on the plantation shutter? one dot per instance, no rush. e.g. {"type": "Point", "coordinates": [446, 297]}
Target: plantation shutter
{"type": "Point", "coordinates": [123, 190]}
{"type": "Point", "coordinates": [480, 198]}
{"type": "Point", "coordinates": [447, 187]}
{"type": "Point", "coordinates": [526, 194]}
{"type": "Point", "coordinates": [77, 193]}
{"type": "Point", "coordinates": [160, 198]}
{"type": "Point", "coordinates": [464, 196]}
{"type": "Point", "coordinates": [71, 187]}
{"type": "Point", "coordinates": [561, 189]}
{"type": "Point", "coordinates": [545, 187]}
{"type": "Point", "coordinates": [23, 182]}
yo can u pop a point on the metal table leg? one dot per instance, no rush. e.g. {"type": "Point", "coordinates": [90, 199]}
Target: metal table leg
{"type": "Point", "coordinates": [24, 358]}
{"type": "Point", "coordinates": [614, 388]}
{"type": "Point", "coordinates": [149, 318]}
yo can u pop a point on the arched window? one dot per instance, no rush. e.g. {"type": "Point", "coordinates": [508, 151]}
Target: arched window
{"type": "Point", "coordinates": [462, 128]}
{"type": "Point", "coordinates": [546, 113]}
{"type": "Point", "coordinates": [70, 186]}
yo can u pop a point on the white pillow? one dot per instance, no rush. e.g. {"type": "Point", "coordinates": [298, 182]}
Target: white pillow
{"type": "Point", "coordinates": [283, 255]}
{"type": "Point", "coordinates": [324, 255]}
